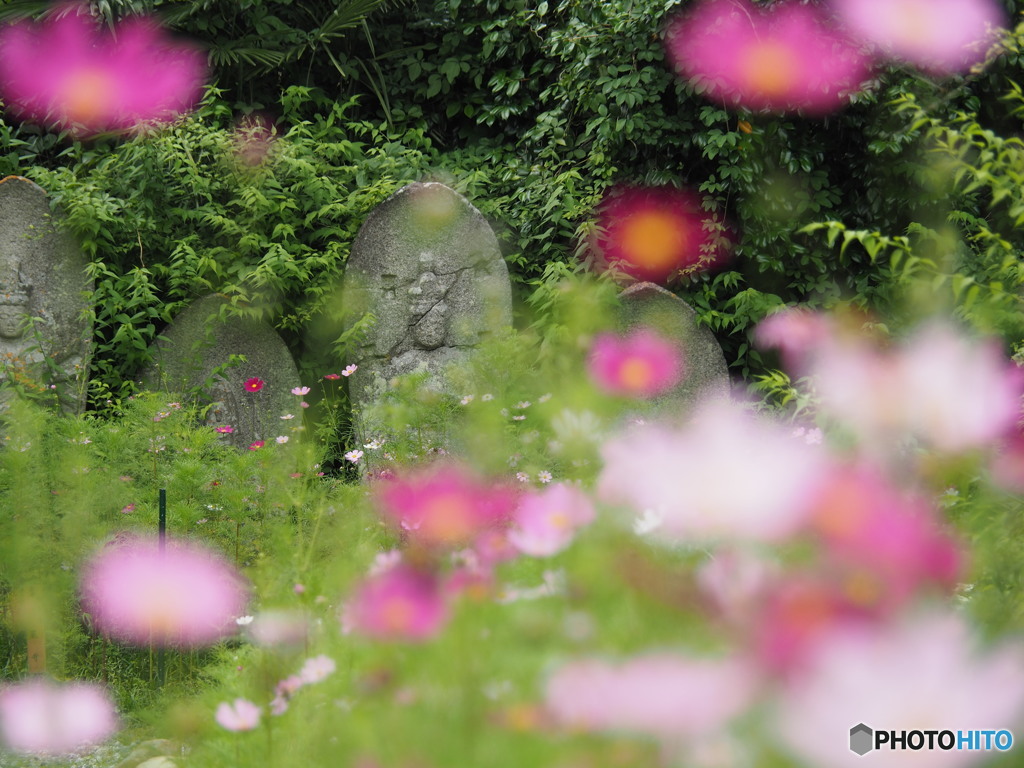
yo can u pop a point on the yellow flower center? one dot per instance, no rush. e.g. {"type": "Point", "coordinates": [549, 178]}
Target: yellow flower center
{"type": "Point", "coordinates": [636, 374]}
{"type": "Point", "coordinates": [653, 240]}
{"type": "Point", "coordinates": [86, 96]}
{"type": "Point", "coordinates": [769, 68]}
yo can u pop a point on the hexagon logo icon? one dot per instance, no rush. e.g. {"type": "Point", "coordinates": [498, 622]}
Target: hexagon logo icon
{"type": "Point", "coordinates": [861, 739]}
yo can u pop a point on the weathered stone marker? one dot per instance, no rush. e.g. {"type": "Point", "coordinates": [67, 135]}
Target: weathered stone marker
{"type": "Point", "coordinates": [427, 266]}
{"type": "Point", "coordinates": [45, 325]}
{"type": "Point", "coordinates": [705, 373]}
{"type": "Point", "coordinates": [196, 347]}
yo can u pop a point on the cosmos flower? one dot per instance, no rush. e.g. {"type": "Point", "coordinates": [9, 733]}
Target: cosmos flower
{"type": "Point", "coordinates": [724, 476]}
{"type": "Point", "coordinates": [446, 506]}
{"type": "Point", "coordinates": [316, 669]}
{"type": "Point", "coordinates": [940, 36]}
{"type": "Point", "coordinates": [653, 233]}
{"type": "Point", "coordinates": [660, 694]}
{"type": "Point", "coordinates": [300, 391]}
{"type": "Point", "coordinates": [278, 628]}
{"type": "Point", "coordinates": [400, 603]}
{"type": "Point", "coordinates": [349, 370]}
{"type": "Point", "coordinates": [242, 715]}
{"type": "Point", "coordinates": [256, 445]}
{"type": "Point", "coordinates": [67, 71]}
{"type": "Point", "coordinates": [332, 376]}
{"type": "Point", "coordinates": [641, 364]}
{"type": "Point", "coordinates": [42, 717]}
{"type": "Point", "coordinates": [779, 58]}
{"type": "Point", "coordinates": [926, 672]}
{"type": "Point", "coordinates": [181, 595]}
{"type": "Point", "coordinates": [254, 384]}
{"type": "Point", "coordinates": [227, 429]}
{"type": "Point", "coordinates": [546, 522]}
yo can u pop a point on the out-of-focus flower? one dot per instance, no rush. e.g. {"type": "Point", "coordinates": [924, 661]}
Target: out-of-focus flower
{"type": "Point", "coordinates": [66, 71]}
{"type": "Point", "coordinates": [354, 455]}
{"type": "Point", "coordinates": [653, 233]}
{"type": "Point", "coordinates": [278, 628]}
{"type": "Point", "coordinates": [281, 439]}
{"type": "Point", "coordinates": [256, 445]}
{"type": "Point", "coordinates": [952, 392]}
{"type": "Point", "coordinates": [349, 370]}
{"type": "Point", "coordinates": [522, 477]}
{"type": "Point", "coordinates": [725, 476]}
{"type": "Point", "coordinates": [42, 717]}
{"type": "Point", "coordinates": [446, 506]}
{"type": "Point", "coordinates": [780, 58]}
{"type": "Point", "coordinates": [254, 140]}
{"type": "Point", "coordinates": [546, 522]}
{"type": "Point", "coordinates": [243, 715]}
{"type": "Point", "coordinates": [735, 582]}
{"type": "Point", "coordinates": [316, 669]}
{"type": "Point", "coordinates": [227, 429]}
{"type": "Point", "coordinates": [796, 332]}
{"type": "Point", "coordinates": [941, 36]}
{"type": "Point", "coordinates": [641, 364]}
{"type": "Point", "coordinates": [300, 391]}
{"type": "Point", "coordinates": [544, 476]}
{"type": "Point", "coordinates": [401, 603]}
{"type": "Point", "coordinates": [254, 384]}
{"type": "Point", "coordinates": [332, 376]}
{"type": "Point", "coordinates": [127, 509]}
{"type": "Point", "coordinates": [665, 695]}
{"type": "Point", "coordinates": [181, 594]}
{"type": "Point", "coordinates": [924, 673]}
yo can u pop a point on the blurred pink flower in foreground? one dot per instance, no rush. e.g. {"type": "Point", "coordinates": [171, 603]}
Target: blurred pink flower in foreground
{"type": "Point", "coordinates": [796, 332]}
{"type": "Point", "coordinates": [253, 140]}
{"type": "Point", "coordinates": [401, 603]}
{"type": "Point", "coordinates": [546, 522]}
{"type": "Point", "coordinates": [662, 694]}
{"type": "Point", "coordinates": [779, 58]}
{"type": "Point", "coordinates": [726, 475]}
{"type": "Point", "coordinates": [278, 628]}
{"type": "Point", "coordinates": [952, 392]}
{"type": "Point", "coordinates": [242, 715]}
{"type": "Point", "coordinates": [653, 233]}
{"type": "Point", "coordinates": [641, 364]}
{"type": "Point", "coordinates": [925, 673]}
{"type": "Point", "coordinates": [942, 36]}
{"type": "Point", "coordinates": [445, 506]}
{"type": "Point", "coordinates": [317, 669]}
{"type": "Point", "coordinates": [65, 71]}
{"type": "Point", "coordinates": [184, 595]}
{"type": "Point", "coordinates": [47, 718]}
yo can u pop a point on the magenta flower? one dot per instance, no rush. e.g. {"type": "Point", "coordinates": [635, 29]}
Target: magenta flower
{"type": "Point", "coordinates": [546, 522]}
{"type": "Point", "coordinates": [778, 58]}
{"type": "Point", "coordinates": [654, 233]}
{"type": "Point", "coordinates": [256, 445]}
{"type": "Point", "coordinates": [941, 36]}
{"type": "Point", "coordinates": [332, 376]}
{"type": "Point", "coordinates": [42, 717]}
{"type": "Point", "coordinates": [445, 506]}
{"type": "Point", "coordinates": [401, 603]}
{"type": "Point", "coordinates": [641, 364]}
{"type": "Point", "coordinates": [662, 694]}
{"type": "Point", "coordinates": [242, 715]}
{"type": "Point", "coordinates": [254, 384]}
{"type": "Point", "coordinates": [67, 72]}
{"type": "Point", "coordinates": [227, 429]}
{"type": "Point", "coordinates": [183, 595]}
{"type": "Point", "coordinates": [797, 333]}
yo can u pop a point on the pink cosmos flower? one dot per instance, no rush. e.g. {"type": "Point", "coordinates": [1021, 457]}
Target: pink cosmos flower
{"type": "Point", "coordinates": [254, 384]}
{"type": "Point", "coordinates": [317, 669]}
{"type": "Point", "coordinates": [446, 506]}
{"type": "Point", "coordinates": [950, 391]}
{"type": "Point", "coordinates": [42, 717]}
{"type": "Point", "coordinates": [256, 445]}
{"type": "Point", "coordinates": [796, 332]}
{"type": "Point", "coordinates": [726, 475]}
{"type": "Point", "coordinates": [923, 673]}
{"type": "Point", "coordinates": [653, 233]}
{"type": "Point", "coordinates": [227, 429]}
{"type": "Point", "coordinates": [183, 595]}
{"type": "Point", "coordinates": [546, 522]}
{"type": "Point", "coordinates": [332, 376]}
{"type": "Point", "coordinates": [243, 715]}
{"type": "Point", "coordinates": [661, 694]}
{"type": "Point", "coordinates": [300, 391]}
{"type": "Point", "coordinates": [69, 72]}
{"type": "Point", "coordinates": [401, 603]}
{"type": "Point", "coordinates": [778, 58]}
{"type": "Point", "coordinates": [941, 36]}
{"type": "Point", "coordinates": [349, 370]}
{"type": "Point", "coordinates": [641, 364]}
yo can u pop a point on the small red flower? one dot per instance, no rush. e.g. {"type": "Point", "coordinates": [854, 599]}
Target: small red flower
{"type": "Point", "coordinates": [256, 446]}
{"type": "Point", "coordinates": [332, 376]}
{"type": "Point", "coordinates": [253, 385]}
